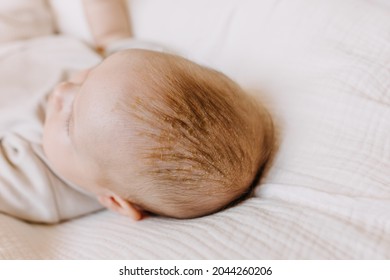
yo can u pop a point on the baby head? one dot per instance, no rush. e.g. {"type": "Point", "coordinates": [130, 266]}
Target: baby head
{"type": "Point", "coordinates": [148, 131]}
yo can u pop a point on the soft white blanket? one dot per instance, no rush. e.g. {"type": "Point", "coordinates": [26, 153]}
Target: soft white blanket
{"type": "Point", "coordinates": [323, 67]}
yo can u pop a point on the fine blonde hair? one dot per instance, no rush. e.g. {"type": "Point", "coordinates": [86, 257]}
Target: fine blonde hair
{"type": "Point", "coordinates": [202, 141]}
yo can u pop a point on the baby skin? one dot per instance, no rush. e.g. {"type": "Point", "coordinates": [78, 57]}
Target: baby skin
{"type": "Point", "coordinates": [151, 132]}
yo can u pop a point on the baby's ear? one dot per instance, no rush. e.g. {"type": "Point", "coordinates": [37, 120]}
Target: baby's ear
{"type": "Point", "coordinates": [122, 206]}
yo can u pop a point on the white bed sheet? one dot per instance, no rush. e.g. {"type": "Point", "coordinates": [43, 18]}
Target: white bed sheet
{"type": "Point", "coordinates": [323, 68]}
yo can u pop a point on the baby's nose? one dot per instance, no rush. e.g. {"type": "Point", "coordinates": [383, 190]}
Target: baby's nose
{"type": "Point", "coordinates": [63, 94]}
{"type": "Point", "coordinates": [63, 88]}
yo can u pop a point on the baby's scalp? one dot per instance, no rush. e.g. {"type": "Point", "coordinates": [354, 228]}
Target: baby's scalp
{"type": "Point", "coordinates": [198, 139]}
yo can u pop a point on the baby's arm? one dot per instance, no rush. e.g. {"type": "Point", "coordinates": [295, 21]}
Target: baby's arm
{"type": "Point", "coordinates": [108, 21]}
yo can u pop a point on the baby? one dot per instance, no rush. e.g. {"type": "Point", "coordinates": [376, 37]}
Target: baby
{"type": "Point", "coordinates": [143, 131]}
{"type": "Point", "coordinates": [154, 132]}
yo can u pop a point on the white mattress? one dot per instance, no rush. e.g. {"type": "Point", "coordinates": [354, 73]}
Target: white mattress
{"type": "Point", "coordinates": [323, 68]}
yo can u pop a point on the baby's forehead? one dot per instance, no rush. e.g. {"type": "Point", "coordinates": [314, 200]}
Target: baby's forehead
{"type": "Point", "coordinates": [116, 73]}
{"type": "Point", "coordinates": [133, 56]}
{"type": "Point", "coordinates": [133, 73]}
{"type": "Point", "coordinates": [130, 64]}
{"type": "Point", "coordinates": [130, 69]}
{"type": "Point", "coordinates": [123, 60]}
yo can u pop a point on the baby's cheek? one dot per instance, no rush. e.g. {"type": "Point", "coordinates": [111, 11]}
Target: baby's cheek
{"type": "Point", "coordinates": [47, 139]}
{"type": "Point", "coordinates": [54, 143]}
{"type": "Point", "coordinates": [50, 107]}
{"type": "Point", "coordinates": [54, 124]}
